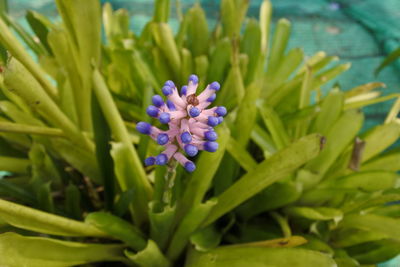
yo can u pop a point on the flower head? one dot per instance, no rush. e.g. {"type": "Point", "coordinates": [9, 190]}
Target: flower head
{"type": "Point", "coordinates": [189, 121]}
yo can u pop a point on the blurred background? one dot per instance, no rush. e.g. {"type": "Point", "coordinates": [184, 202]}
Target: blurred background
{"type": "Point", "coordinates": [358, 31]}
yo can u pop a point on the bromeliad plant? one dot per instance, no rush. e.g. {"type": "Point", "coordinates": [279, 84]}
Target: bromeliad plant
{"type": "Point", "coordinates": [292, 183]}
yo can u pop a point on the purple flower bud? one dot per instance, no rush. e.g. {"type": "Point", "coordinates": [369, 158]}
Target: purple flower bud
{"type": "Point", "coordinates": [161, 159]}
{"type": "Point", "coordinates": [162, 139]}
{"type": "Point", "coordinates": [210, 135]}
{"type": "Point", "coordinates": [152, 111]}
{"type": "Point", "coordinates": [165, 118]}
{"type": "Point", "coordinates": [170, 105]}
{"type": "Point", "coordinates": [184, 90]}
{"type": "Point", "coordinates": [220, 120]}
{"type": "Point", "coordinates": [150, 161]}
{"type": "Point", "coordinates": [166, 90]}
{"type": "Point", "coordinates": [169, 83]}
{"type": "Point", "coordinates": [215, 86]}
{"type": "Point", "coordinates": [157, 101]}
{"type": "Point", "coordinates": [194, 79]}
{"type": "Point", "coordinates": [212, 121]}
{"type": "Point", "coordinates": [190, 166]}
{"type": "Point", "coordinates": [210, 146]}
{"type": "Point", "coordinates": [186, 137]}
{"type": "Point", "coordinates": [212, 98]}
{"type": "Point", "coordinates": [194, 112]}
{"type": "Point", "coordinates": [143, 127]}
{"type": "Point", "coordinates": [221, 111]}
{"type": "Point", "coordinates": [191, 150]}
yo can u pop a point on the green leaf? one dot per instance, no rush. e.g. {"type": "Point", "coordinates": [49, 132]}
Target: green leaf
{"type": "Point", "coordinates": [339, 136]}
{"type": "Point", "coordinates": [241, 155]}
{"type": "Point", "coordinates": [393, 56]}
{"type": "Point", "coordinates": [266, 173]}
{"type": "Point", "coordinates": [16, 165]}
{"type": "Point", "coordinates": [257, 257]}
{"type": "Point", "coordinates": [370, 181]}
{"type": "Point", "coordinates": [118, 228]}
{"type": "Point", "coordinates": [273, 197]}
{"type": "Point", "coordinates": [317, 213]}
{"type": "Point", "coordinates": [279, 43]}
{"type": "Point", "coordinates": [8, 188]}
{"type": "Point", "coordinates": [40, 26]}
{"type": "Point", "coordinates": [380, 138]}
{"type": "Point", "coordinates": [42, 222]}
{"type": "Point", "coordinates": [188, 226]}
{"type": "Point", "coordinates": [17, 250]}
{"type": "Point", "coordinates": [11, 43]}
{"type": "Point", "coordinates": [386, 162]}
{"type": "Point", "coordinates": [200, 181]}
{"type": "Point", "coordinates": [251, 46]}
{"type": "Point", "coordinates": [197, 31]}
{"type": "Point", "coordinates": [73, 201]}
{"type": "Point", "coordinates": [220, 60]}
{"type": "Point", "coordinates": [265, 21]}
{"type": "Point", "coordinates": [161, 11]}
{"type": "Point", "coordinates": [275, 126]}
{"type": "Point", "coordinates": [331, 109]}
{"type": "Point", "coordinates": [380, 224]}
{"type": "Point", "coordinates": [375, 252]}
{"type": "Point", "coordinates": [161, 225]}
{"type": "Point", "coordinates": [150, 256]}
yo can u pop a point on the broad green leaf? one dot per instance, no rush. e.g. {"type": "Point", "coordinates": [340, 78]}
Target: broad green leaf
{"type": "Point", "coordinates": [118, 228]}
{"type": "Point", "coordinates": [79, 158]}
{"type": "Point", "coordinates": [370, 99]}
{"type": "Point", "coordinates": [42, 222]}
{"type": "Point", "coordinates": [11, 43]}
{"type": "Point", "coordinates": [339, 136]}
{"type": "Point", "coordinates": [251, 46]}
{"type": "Point", "coordinates": [197, 31]}
{"type": "Point", "coordinates": [326, 76]}
{"type": "Point", "coordinates": [161, 10]}
{"type": "Point", "coordinates": [17, 77]}
{"type": "Point", "coordinates": [317, 213]}
{"type": "Point", "coordinates": [151, 255]}
{"type": "Point", "coordinates": [331, 109]}
{"type": "Point", "coordinates": [385, 162]}
{"type": "Point", "coordinates": [380, 224]}
{"type": "Point", "coordinates": [274, 125]}
{"type": "Point", "coordinates": [273, 197]}
{"type": "Point", "coordinates": [289, 64]}
{"type": "Point", "coordinates": [266, 173]}
{"type": "Point", "coordinates": [315, 243]}
{"type": "Point", "coordinates": [164, 39]}
{"type": "Point", "coordinates": [380, 138]}
{"type": "Point", "coordinates": [279, 43]}
{"type": "Point", "coordinates": [241, 155]}
{"type": "Point", "coordinates": [200, 181]}
{"type": "Point", "coordinates": [161, 225]}
{"type": "Point", "coordinates": [220, 61]}
{"type": "Point", "coordinates": [128, 168]}
{"type": "Point", "coordinates": [15, 165]}
{"type": "Point", "coordinates": [258, 257]}
{"type": "Point", "coordinates": [188, 226]}
{"type": "Point", "coordinates": [375, 251]}
{"type": "Point", "coordinates": [367, 181]}
{"type": "Point", "coordinates": [352, 236]}
{"type": "Point", "coordinates": [232, 15]}
{"type": "Point", "coordinates": [17, 250]}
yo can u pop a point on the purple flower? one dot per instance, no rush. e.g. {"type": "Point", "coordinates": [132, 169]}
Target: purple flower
{"type": "Point", "coordinates": [190, 122]}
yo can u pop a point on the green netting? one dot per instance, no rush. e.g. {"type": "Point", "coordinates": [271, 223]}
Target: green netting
{"type": "Point", "coordinates": [358, 31]}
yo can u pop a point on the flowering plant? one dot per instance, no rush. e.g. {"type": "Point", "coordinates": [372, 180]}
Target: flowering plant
{"type": "Point", "coordinates": [291, 182]}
